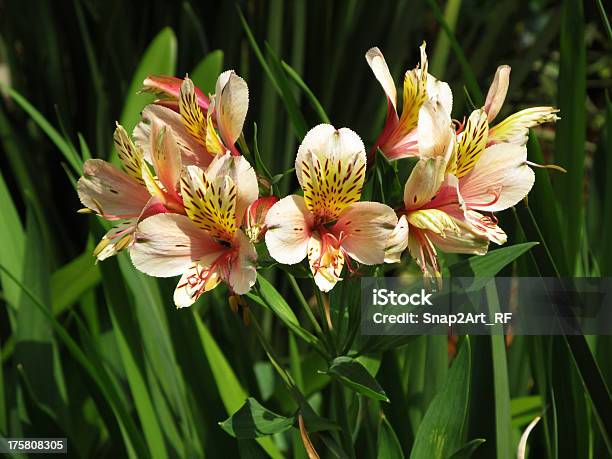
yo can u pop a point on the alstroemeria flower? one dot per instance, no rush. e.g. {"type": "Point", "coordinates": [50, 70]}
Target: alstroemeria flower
{"type": "Point", "coordinates": [134, 193]}
{"type": "Point", "coordinates": [488, 178]}
{"type": "Point", "coordinates": [219, 127]}
{"type": "Point", "coordinates": [168, 89]}
{"type": "Point", "coordinates": [399, 138]}
{"type": "Point", "coordinates": [328, 224]}
{"type": "Point", "coordinates": [515, 128]}
{"type": "Point", "coordinates": [206, 246]}
{"type": "Point", "coordinates": [431, 217]}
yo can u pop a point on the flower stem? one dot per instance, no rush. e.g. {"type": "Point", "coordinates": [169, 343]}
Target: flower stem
{"type": "Point", "coordinates": [304, 304]}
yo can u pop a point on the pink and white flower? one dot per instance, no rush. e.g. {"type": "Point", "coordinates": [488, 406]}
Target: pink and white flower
{"type": "Point", "coordinates": [400, 135]}
{"type": "Point", "coordinates": [328, 224]}
{"type": "Point", "coordinates": [206, 246]}
{"type": "Point", "coordinates": [133, 193]}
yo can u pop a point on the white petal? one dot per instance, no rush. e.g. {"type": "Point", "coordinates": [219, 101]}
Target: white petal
{"type": "Point", "coordinates": [231, 105]}
{"type": "Point", "coordinates": [398, 241]}
{"type": "Point", "coordinates": [499, 180]}
{"type": "Point", "coordinates": [497, 92]}
{"type": "Point", "coordinates": [289, 225]}
{"type": "Point", "coordinates": [193, 283]}
{"type": "Point", "coordinates": [167, 244]}
{"type": "Point", "coordinates": [366, 228]}
{"type": "Point", "coordinates": [243, 273]}
{"type": "Point", "coordinates": [377, 63]}
{"type": "Point", "coordinates": [328, 143]}
{"type": "Point", "coordinates": [435, 133]}
{"type": "Point", "coordinates": [440, 91]}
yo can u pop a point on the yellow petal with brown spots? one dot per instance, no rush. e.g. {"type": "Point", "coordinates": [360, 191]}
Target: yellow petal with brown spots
{"type": "Point", "coordinates": [192, 115]}
{"type": "Point", "coordinates": [471, 143]}
{"type": "Point", "coordinates": [210, 204]}
{"type": "Point", "coordinates": [130, 155]}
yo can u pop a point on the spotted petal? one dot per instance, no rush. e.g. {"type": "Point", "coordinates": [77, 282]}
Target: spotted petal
{"type": "Point", "coordinates": [210, 203]}
{"type": "Point", "coordinates": [116, 239]}
{"type": "Point", "coordinates": [130, 155]}
{"type": "Point", "coordinates": [192, 152]}
{"type": "Point", "coordinates": [110, 192]}
{"type": "Point", "coordinates": [196, 280]}
{"type": "Point", "coordinates": [193, 116]}
{"type": "Point", "coordinates": [424, 182]}
{"type": "Point", "coordinates": [330, 167]}
{"type": "Point", "coordinates": [471, 143]}
{"type": "Point", "coordinates": [326, 262]}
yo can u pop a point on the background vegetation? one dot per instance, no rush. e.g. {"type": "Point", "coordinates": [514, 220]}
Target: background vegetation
{"type": "Point", "coordinates": [98, 354]}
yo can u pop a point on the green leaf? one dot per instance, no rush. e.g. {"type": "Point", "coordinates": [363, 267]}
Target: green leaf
{"type": "Point", "coordinates": [158, 59]}
{"type": "Point", "coordinates": [468, 449]}
{"type": "Point", "coordinates": [205, 74]}
{"type": "Point", "coordinates": [524, 409]}
{"type": "Point", "coordinates": [60, 142]}
{"type": "Point", "coordinates": [388, 445]}
{"type": "Point", "coordinates": [72, 280]}
{"type": "Point", "coordinates": [487, 266]}
{"type": "Point", "coordinates": [312, 99]}
{"type": "Point", "coordinates": [253, 420]}
{"type": "Point", "coordinates": [270, 298]}
{"type": "Point", "coordinates": [501, 386]}
{"type": "Point", "coordinates": [354, 375]}
{"type": "Point", "coordinates": [570, 131]}
{"type": "Point", "coordinates": [230, 390]}
{"type": "Point", "coordinates": [442, 430]}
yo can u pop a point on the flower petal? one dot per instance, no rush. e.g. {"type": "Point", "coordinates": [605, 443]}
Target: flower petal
{"type": "Point", "coordinates": [379, 67]}
{"type": "Point", "coordinates": [169, 88]}
{"type": "Point", "coordinates": [424, 182]}
{"type": "Point", "coordinates": [471, 143]}
{"type": "Point", "coordinates": [196, 280]}
{"type": "Point", "coordinates": [168, 244]}
{"type": "Point", "coordinates": [243, 273]}
{"type": "Point", "coordinates": [210, 203]}
{"type": "Point", "coordinates": [243, 175]}
{"type": "Point", "coordinates": [231, 105]}
{"type": "Point", "coordinates": [110, 192]}
{"type": "Point", "coordinates": [499, 180]}
{"type": "Point", "coordinates": [192, 152]}
{"type": "Point", "coordinates": [116, 239]}
{"type": "Point", "coordinates": [436, 136]}
{"type": "Point", "coordinates": [439, 91]}
{"type": "Point", "coordinates": [415, 95]}
{"type": "Point", "coordinates": [397, 242]}
{"type": "Point", "coordinates": [497, 92]}
{"type": "Point", "coordinates": [289, 227]}
{"type": "Point", "coordinates": [193, 116]}
{"type": "Point", "coordinates": [364, 229]}
{"type": "Point", "coordinates": [130, 155]}
{"type": "Point", "coordinates": [166, 157]}
{"type": "Point", "coordinates": [330, 167]}
{"type": "Point", "coordinates": [465, 240]}
{"type": "Point", "coordinates": [326, 263]}
{"type": "Point", "coordinates": [515, 128]}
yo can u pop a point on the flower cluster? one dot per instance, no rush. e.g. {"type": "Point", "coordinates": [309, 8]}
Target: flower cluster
{"type": "Point", "coordinates": [187, 202]}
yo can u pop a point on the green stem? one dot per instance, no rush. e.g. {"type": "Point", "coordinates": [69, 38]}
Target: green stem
{"type": "Point", "coordinates": [329, 339]}
{"type": "Point", "coordinates": [342, 418]}
{"type": "Point", "coordinates": [304, 304]}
